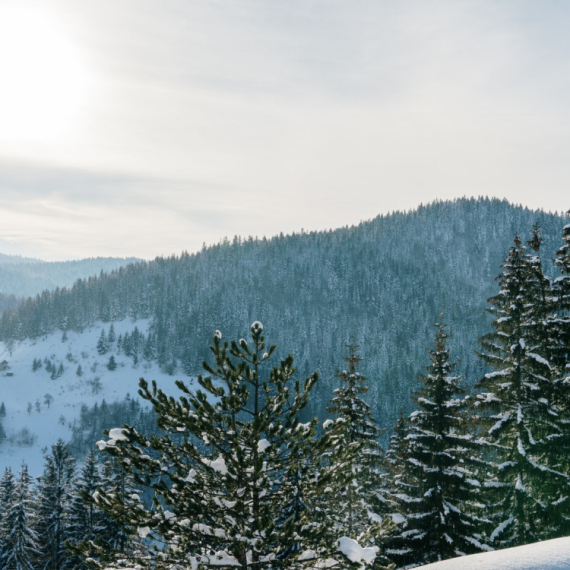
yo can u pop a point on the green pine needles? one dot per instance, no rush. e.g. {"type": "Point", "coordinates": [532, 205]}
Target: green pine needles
{"type": "Point", "coordinates": [237, 479]}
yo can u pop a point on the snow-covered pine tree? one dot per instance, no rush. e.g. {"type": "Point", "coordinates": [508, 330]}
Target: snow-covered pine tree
{"type": "Point", "coordinates": [118, 485]}
{"type": "Point", "coordinates": [518, 409]}
{"type": "Point", "coordinates": [103, 343]}
{"type": "Point", "coordinates": [355, 511]}
{"type": "Point", "coordinates": [558, 452]}
{"type": "Point", "coordinates": [436, 492]}
{"type": "Point", "coordinates": [20, 550]}
{"type": "Point", "coordinates": [54, 492]}
{"type": "Point", "coordinates": [227, 466]}
{"type": "Point", "coordinates": [85, 518]}
{"type": "Point", "coordinates": [7, 483]}
{"type": "Point", "coordinates": [561, 308]}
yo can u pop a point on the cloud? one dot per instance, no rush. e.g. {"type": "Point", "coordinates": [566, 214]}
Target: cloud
{"type": "Point", "coordinates": [254, 117]}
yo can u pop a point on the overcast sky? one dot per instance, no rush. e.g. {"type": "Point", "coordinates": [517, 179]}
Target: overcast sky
{"type": "Point", "coordinates": [140, 128]}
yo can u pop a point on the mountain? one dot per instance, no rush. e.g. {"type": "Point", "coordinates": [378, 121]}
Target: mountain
{"type": "Point", "coordinates": [27, 277]}
{"type": "Point", "coordinates": [382, 282]}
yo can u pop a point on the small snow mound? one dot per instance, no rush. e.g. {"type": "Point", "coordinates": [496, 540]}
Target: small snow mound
{"type": "Point", "coordinates": [355, 553]}
{"type": "Point", "coordinates": [218, 465]}
{"type": "Point", "coordinates": [118, 434]}
{"type": "Point", "coordinates": [327, 424]}
{"type": "Point", "coordinates": [218, 335]}
{"type": "Point", "coordinates": [262, 445]}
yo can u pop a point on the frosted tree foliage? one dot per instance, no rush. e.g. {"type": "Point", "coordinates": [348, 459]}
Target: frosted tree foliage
{"type": "Point", "coordinates": [233, 459]}
{"type": "Point", "coordinates": [355, 511]}
{"type": "Point", "coordinates": [518, 409]}
{"type": "Point", "coordinates": [436, 489]}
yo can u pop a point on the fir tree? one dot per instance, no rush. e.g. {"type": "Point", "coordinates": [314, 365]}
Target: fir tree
{"type": "Point", "coordinates": [111, 336]}
{"type": "Point", "coordinates": [356, 510]}
{"type": "Point", "coordinates": [85, 519]}
{"type": "Point", "coordinates": [6, 497]}
{"type": "Point", "coordinates": [438, 492]}
{"type": "Point", "coordinates": [54, 505]}
{"type": "Point", "coordinates": [227, 466]}
{"type": "Point", "coordinates": [2, 410]}
{"type": "Point", "coordinates": [112, 364]}
{"type": "Point", "coordinates": [518, 409]}
{"type": "Point", "coordinates": [79, 371]}
{"type": "Point", "coordinates": [102, 344]}
{"type": "Point", "coordinates": [561, 307]}
{"type": "Point", "coordinates": [20, 549]}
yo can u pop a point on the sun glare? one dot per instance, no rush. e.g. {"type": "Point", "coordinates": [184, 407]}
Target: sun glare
{"type": "Point", "coordinates": [43, 83]}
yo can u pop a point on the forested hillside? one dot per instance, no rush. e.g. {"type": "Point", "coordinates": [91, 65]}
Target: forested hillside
{"type": "Point", "coordinates": [384, 282]}
{"type": "Point", "coordinates": [25, 277]}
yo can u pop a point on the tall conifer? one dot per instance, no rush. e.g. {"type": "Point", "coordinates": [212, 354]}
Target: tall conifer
{"type": "Point", "coordinates": [437, 492]}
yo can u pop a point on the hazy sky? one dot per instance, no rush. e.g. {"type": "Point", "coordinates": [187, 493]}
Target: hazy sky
{"type": "Point", "coordinates": [135, 127]}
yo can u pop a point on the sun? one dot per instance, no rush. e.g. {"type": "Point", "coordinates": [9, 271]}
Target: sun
{"type": "Point", "coordinates": [43, 82]}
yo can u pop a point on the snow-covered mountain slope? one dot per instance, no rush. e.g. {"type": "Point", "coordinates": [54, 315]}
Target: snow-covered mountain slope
{"type": "Point", "coordinates": [21, 388]}
{"type": "Point", "coordinates": [547, 555]}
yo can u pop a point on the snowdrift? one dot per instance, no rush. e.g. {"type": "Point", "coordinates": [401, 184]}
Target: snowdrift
{"type": "Point", "coordinates": [547, 555]}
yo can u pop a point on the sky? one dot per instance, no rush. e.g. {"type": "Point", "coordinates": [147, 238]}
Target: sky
{"type": "Point", "coordinates": [144, 128]}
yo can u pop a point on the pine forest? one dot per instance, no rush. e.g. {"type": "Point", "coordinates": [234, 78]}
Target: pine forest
{"type": "Point", "coordinates": [382, 396]}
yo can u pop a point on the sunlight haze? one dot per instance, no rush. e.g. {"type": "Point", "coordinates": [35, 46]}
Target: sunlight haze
{"type": "Point", "coordinates": [144, 128]}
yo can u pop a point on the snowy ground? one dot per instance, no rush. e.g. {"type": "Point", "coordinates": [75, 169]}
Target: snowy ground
{"type": "Point", "coordinates": [547, 555]}
{"type": "Point", "coordinates": [69, 391]}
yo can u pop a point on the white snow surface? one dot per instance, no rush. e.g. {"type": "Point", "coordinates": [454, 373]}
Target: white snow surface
{"type": "Point", "coordinates": [547, 555]}
{"type": "Point", "coordinates": [354, 552]}
{"type": "Point", "coordinates": [69, 391]}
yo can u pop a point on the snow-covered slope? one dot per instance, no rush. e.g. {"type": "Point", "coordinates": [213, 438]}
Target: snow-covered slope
{"type": "Point", "coordinates": [547, 555]}
{"type": "Point", "coordinates": [20, 386]}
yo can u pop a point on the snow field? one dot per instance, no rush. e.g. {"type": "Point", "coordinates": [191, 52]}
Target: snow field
{"type": "Point", "coordinates": [547, 555]}
{"type": "Point", "coordinates": [69, 391]}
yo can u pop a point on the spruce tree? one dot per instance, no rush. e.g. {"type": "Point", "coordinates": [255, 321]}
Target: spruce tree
{"type": "Point", "coordinates": [7, 484]}
{"type": "Point", "coordinates": [561, 304]}
{"type": "Point", "coordinates": [54, 504]}
{"type": "Point", "coordinates": [102, 343]}
{"type": "Point", "coordinates": [436, 491]}
{"type": "Point", "coordinates": [228, 465]}
{"type": "Point", "coordinates": [20, 549]}
{"type": "Point", "coordinates": [85, 519]}
{"type": "Point", "coordinates": [355, 512]}
{"type": "Point", "coordinates": [518, 408]}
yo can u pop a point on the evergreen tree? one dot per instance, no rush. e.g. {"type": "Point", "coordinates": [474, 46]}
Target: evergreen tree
{"type": "Point", "coordinates": [20, 549]}
{"type": "Point", "coordinates": [85, 519]}
{"type": "Point", "coordinates": [356, 510]}
{"type": "Point", "coordinates": [227, 466]}
{"type": "Point", "coordinates": [438, 492]}
{"type": "Point", "coordinates": [79, 371]}
{"type": "Point", "coordinates": [2, 410]}
{"type": "Point", "coordinates": [102, 343]}
{"type": "Point", "coordinates": [112, 364]}
{"type": "Point", "coordinates": [149, 350]}
{"type": "Point", "coordinates": [54, 505]}
{"type": "Point", "coordinates": [561, 305]}
{"type": "Point", "coordinates": [518, 409]}
{"type": "Point", "coordinates": [111, 336]}
{"type": "Point", "coordinates": [6, 497]}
